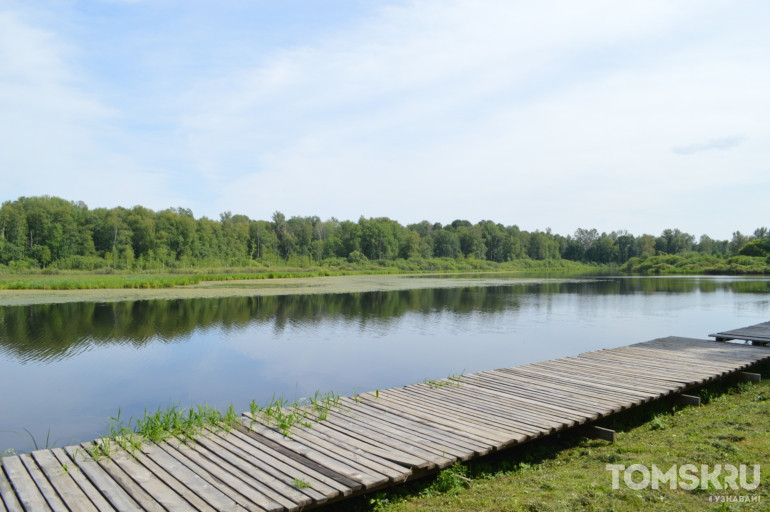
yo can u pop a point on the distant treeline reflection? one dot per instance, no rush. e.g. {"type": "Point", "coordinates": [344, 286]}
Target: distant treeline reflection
{"type": "Point", "coordinates": [49, 332]}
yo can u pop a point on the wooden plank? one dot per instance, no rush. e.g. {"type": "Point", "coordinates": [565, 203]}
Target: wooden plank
{"type": "Point", "coordinates": [502, 407]}
{"type": "Point", "coordinates": [446, 440]}
{"type": "Point", "coordinates": [43, 485]}
{"type": "Point", "coordinates": [274, 488]}
{"type": "Point", "coordinates": [750, 377]}
{"type": "Point", "coordinates": [690, 371]}
{"type": "Point", "coordinates": [351, 459]}
{"type": "Point", "coordinates": [7, 493]}
{"type": "Point", "coordinates": [460, 422]}
{"type": "Point", "coordinates": [427, 399]}
{"type": "Point", "coordinates": [543, 397]}
{"type": "Point", "coordinates": [622, 380]}
{"type": "Point", "coordinates": [682, 399]}
{"type": "Point", "coordinates": [582, 399]}
{"type": "Point", "coordinates": [335, 444]}
{"type": "Point", "coordinates": [716, 356]}
{"type": "Point", "coordinates": [274, 463]}
{"type": "Point", "coordinates": [350, 456]}
{"type": "Point", "coordinates": [427, 419]}
{"type": "Point", "coordinates": [595, 382]}
{"type": "Point", "coordinates": [557, 397]}
{"type": "Point", "coordinates": [62, 482]}
{"type": "Point", "coordinates": [213, 468]}
{"type": "Point", "coordinates": [142, 482]}
{"type": "Point", "coordinates": [133, 489]}
{"type": "Point", "coordinates": [385, 436]}
{"type": "Point", "coordinates": [506, 404]}
{"type": "Point", "coordinates": [26, 490]}
{"type": "Point", "coordinates": [594, 432]}
{"type": "Point", "coordinates": [236, 439]}
{"type": "Point", "coordinates": [293, 458]}
{"type": "Point", "coordinates": [706, 360]}
{"type": "Point", "coordinates": [397, 453]}
{"type": "Point", "coordinates": [366, 478]}
{"type": "Point", "coordinates": [111, 490]}
{"type": "Point", "coordinates": [447, 448]}
{"type": "Point", "coordinates": [82, 481]}
{"type": "Point", "coordinates": [629, 370]}
{"type": "Point", "coordinates": [498, 418]}
{"type": "Point", "coordinates": [189, 480]}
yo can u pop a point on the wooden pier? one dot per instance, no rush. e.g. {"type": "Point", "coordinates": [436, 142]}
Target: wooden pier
{"type": "Point", "coordinates": [758, 334]}
{"type": "Point", "coordinates": [373, 440]}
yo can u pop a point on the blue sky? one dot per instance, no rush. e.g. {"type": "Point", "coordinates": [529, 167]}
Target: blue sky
{"type": "Point", "coordinates": [614, 115]}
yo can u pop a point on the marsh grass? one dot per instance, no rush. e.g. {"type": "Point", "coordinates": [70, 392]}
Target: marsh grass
{"type": "Point", "coordinates": [90, 280]}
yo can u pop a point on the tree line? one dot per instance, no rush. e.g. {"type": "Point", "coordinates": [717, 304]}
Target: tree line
{"type": "Point", "coordinates": [50, 232]}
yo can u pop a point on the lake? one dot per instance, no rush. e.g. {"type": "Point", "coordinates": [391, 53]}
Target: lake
{"type": "Point", "coordinates": [66, 368]}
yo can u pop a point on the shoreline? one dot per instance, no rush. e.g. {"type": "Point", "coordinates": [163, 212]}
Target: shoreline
{"type": "Point", "coordinates": [282, 286]}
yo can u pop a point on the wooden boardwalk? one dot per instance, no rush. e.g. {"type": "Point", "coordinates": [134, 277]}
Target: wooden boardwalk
{"type": "Point", "coordinates": [758, 334]}
{"type": "Point", "coordinates": [372, 441]}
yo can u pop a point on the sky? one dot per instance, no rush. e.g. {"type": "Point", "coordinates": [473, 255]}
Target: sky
{"type": "Point", "coordinates": [554, 114]}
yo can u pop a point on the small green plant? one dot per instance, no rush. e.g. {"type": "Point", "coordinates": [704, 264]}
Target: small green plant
{"type": "Point", "coordinates": [48, 443]}
{"type": "Point", "coordinates": [285, 415]}
{"type": "Point", "coordinates": [450, 480]}
{"type": "Point", "coordinates": [300, 484]}
{"type": "Point", "coordinates": [658, 422]}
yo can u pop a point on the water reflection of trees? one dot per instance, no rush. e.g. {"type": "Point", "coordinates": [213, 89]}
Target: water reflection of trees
{"type": "Point", "coordinates": [48, 332]}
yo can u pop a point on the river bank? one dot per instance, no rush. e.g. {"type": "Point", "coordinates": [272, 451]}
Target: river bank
{"type": "Point", "coordinates": [283, 286]}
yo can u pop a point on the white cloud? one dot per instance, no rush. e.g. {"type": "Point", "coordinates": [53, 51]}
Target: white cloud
{"type": "Point", "coordinates": [542, 114]}
{"type": "Point", "coordinates": [56, 134]}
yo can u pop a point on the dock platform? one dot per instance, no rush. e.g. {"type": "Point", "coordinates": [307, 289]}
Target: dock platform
{"type": "Point", "coordinates": [758, 334]}
{"type": "Point", "coordinates": [372, 440]}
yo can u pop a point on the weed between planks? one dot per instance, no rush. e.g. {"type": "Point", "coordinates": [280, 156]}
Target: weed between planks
{"type": "Point", "coordinates": [185, 424]}
{"type": "Point", "coordinates": [284, 415]}
{"type": "Point", "coordinates": [182, 424]}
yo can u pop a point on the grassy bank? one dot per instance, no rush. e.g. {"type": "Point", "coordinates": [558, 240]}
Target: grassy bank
{"type": "Point", "coordinates": [697, 263]}
{"type": "Point", "coordinates": [569, 473]}
{"type": "Point", "coordinates": [85, 280]}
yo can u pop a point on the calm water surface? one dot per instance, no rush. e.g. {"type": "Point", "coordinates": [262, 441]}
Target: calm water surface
{"type": "Point", "coordinates": [69, 367]}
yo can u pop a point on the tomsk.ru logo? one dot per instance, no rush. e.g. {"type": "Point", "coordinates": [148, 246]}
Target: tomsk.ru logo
{"type": "Point", "coordinates": [686, 476]}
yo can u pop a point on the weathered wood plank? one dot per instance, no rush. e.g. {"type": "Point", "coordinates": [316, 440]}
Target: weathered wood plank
{"type": "Point", "coordinates": [274, 488]}
{"type": "Point", "coordinates": [119, 476]}
{"type": "Point", "coordinates": [109, 488]}
{"type": "Point", "coordinates": [255, 494]}
{"type": "Point", "coordinates": [26, 490]}
{"type": "Point", "coordinates": [233, 440]}
{"type": "Point", "coordinates": [366, 478]}
{"type": "Point", "coordinates": [445, 450]}
{"type": "Point", "coordinates": [450, 442]}
{"type": "Point", "coordinates": [292, 457]}
{"type": "Point", "coordinates": [275, 464]}
{"type": "Point", "coordinates": [82, 481]}
{"type": "Point", "coordinates": [60, 479]}
{"type": "Point", "coordinates": [189, 485]}
{"type": "Point", "coordinates": [141, 482]}
{"type": "Point", "coordinates": [8, 495]}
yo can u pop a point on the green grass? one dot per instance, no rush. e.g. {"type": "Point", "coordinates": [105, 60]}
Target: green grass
{"type": "Point", "coordinates": [280, 413]}
{"type": "Point", "coordinates": [568, 473]}
{"type": "Point", "coordinates": [173, 422]}
{"type": "Point", "coordinates": [89, 280]}
{"type": "Point", "coordinates": [697, 263]}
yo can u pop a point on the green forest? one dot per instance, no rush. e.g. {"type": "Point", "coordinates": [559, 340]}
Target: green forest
{"type": "Point", "coordinates": [50, 233]}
